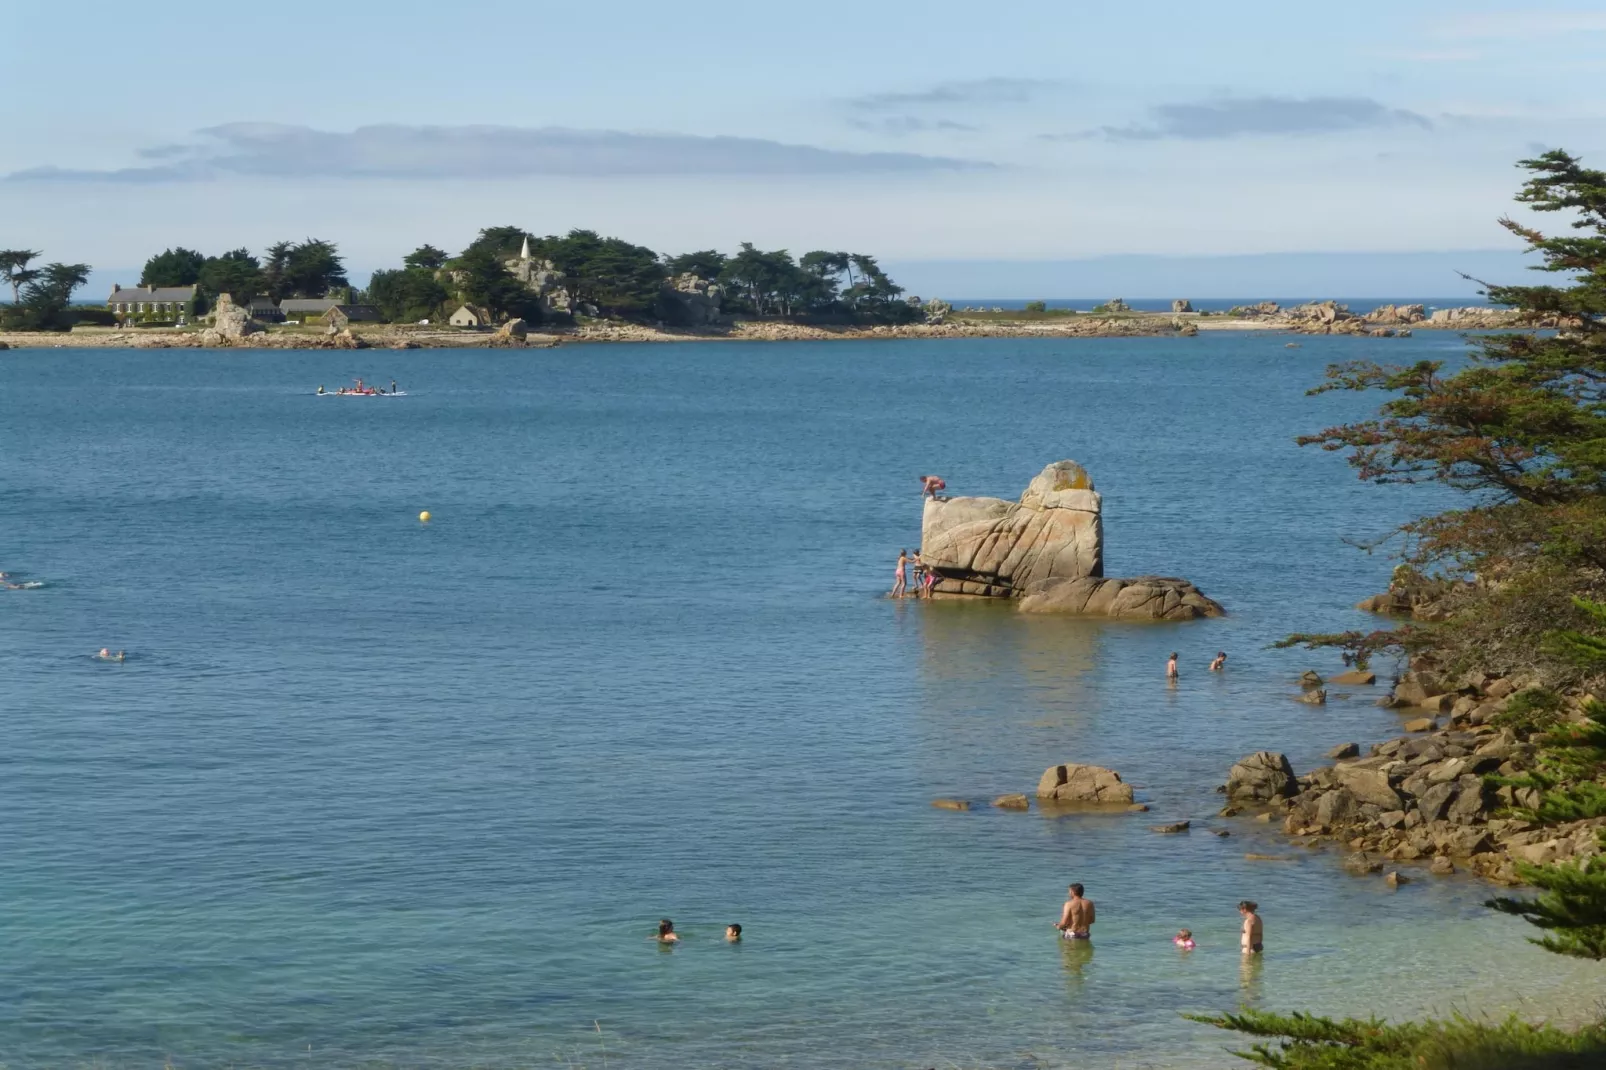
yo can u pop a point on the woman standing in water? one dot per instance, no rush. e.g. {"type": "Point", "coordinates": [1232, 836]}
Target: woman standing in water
{"type": "Point", "coordinates": [900, 584]}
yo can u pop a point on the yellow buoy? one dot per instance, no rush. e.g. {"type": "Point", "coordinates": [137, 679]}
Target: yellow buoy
{"type": "Point", "coordinates": [424, 516]}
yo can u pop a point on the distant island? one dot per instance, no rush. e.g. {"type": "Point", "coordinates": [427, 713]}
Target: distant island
{"type": "Point", "coordinates": [510, 287]}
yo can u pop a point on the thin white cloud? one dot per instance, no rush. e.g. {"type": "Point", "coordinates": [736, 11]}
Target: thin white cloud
{"type": "Point", "coordinates": [1254, 117]}
{"type": "Point", "coordinates": [984, 92]}
{"type": "Point", "coordinates": [1510, 25]}
{"type": "Point", "coordinates": [275, 150]}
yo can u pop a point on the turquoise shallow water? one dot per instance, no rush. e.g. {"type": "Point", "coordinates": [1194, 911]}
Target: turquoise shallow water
{"type": "Point", "coordinates": [374, 792]}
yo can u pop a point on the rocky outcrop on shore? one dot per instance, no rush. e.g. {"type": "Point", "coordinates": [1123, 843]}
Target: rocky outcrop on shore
{"type": "Point", "coordinates": [1386, 321]}
{"type": "Point", "coordinates": [1047, 549]}
{"type": "Point", "coordinates": [1436, 796]}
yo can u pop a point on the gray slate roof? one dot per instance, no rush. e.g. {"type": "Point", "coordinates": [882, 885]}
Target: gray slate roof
{"type": "Point", "coordinates": [126, 294]}
{"type": "Point", "coordinates": [318, 305]}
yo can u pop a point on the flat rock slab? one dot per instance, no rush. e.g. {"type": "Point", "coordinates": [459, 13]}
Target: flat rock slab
{"type": "Point", "coordinates": [951, 804]}
{"type": "Point", "coordinates": [1166, 598]}
{"type": "Point", "coordinates": [1175, 826]}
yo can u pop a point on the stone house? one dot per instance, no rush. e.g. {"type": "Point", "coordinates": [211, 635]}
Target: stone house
{"type": "Point", "coordinates": [469, 317]}
{"type": "Point", "coordinates": [151, 302]}
{"type": "Point", "coordinates": [343, 316]}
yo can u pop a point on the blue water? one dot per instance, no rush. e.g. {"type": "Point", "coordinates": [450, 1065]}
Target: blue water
{"type": "Point", "coordinates": [1358, 305]}
{"type": "Point", "coordinates": [375, 792]}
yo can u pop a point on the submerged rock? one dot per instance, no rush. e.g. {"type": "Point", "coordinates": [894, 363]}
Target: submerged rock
{"type": "Point", "coordinates": [1012, 802]}
{"type": "Point", "coordinates": [951, 804]}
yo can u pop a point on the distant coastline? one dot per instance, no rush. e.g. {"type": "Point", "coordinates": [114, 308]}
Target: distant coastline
{"type": "Point", "coordinates": [993, 322]}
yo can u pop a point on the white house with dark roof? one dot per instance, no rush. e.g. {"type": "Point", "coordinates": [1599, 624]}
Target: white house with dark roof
{"type": "Point", "coordinates": [161, 301]}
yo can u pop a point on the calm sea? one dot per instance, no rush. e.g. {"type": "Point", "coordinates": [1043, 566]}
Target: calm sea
{"type": "Point", "coordinates": [371, 792]}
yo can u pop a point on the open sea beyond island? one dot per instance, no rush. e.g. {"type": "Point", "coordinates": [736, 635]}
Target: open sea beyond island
{"type": "Point", "coordinates": [372, 792]}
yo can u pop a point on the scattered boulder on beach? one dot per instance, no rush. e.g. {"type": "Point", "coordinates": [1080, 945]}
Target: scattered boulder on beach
{"type": "Point", "coordinates": [1354, 678]}
{"type": "Point", "coordinates": [1345, 750]}
{"type": "Point", "coordinates": [1074, 783]}
{"type": "Point", "coordinates": [1261, 777]}
{"type": "Point", "coordinates": [510, 335]}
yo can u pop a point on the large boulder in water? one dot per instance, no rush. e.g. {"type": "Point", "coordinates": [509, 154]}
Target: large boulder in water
{"type": "Point", "coordinates": [1074, 783]}
{"type": "Point", "coordinates": [1261, 777]}
{"type": "Point", "coordinates": [1048, 550]}
{"type": "Point", "coordinates": [1140, 598]}
{"type": "Point", "coordinates": [1054, 532]}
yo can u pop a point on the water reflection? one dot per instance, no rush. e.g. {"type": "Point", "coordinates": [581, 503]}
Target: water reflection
{"type": "Point", "coordinates": [1250, 969]}
{"type": "Point", "coordinates": [1075, 956]}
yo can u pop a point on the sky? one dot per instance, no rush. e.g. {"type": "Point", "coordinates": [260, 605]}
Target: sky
{"type": "Point", "coordinates": [1024, 142]}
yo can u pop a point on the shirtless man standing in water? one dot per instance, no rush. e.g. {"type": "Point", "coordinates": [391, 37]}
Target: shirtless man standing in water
{"type": "Point", "coordinates": [1076, 919]}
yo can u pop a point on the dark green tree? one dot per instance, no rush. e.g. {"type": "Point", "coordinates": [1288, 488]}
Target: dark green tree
{"type": "Point", "coordinates": [501, 242]}
{"type": "Point", "coordinates": [1571, 907]}
{"type": "Point", "coordinates": [614, 276]}
{"type": "Point", "coordinates": [408, 295]}
{"type": "Point", "coordinates": [236, 273]}
{"type": "Point", "coordinates": [1520, 429]}
{"type": "Point", "coordinates": [14, 268]}
{"type": "Point", "coordinates": [45, 300]}
{"type": "Point", "coordinates": [705, 264]}
{"type": "Point", "coordinates": [173, 267]}
{"type": "Point", "coordinates": [313, 268]}
{"type": "Point", "coordinates": [482, 280]}
{"type": "Point", "coordinates": [427, 257]}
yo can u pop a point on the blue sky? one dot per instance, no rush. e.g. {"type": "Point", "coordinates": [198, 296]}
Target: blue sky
{"type": "Point", "coordinates": [941, 132]}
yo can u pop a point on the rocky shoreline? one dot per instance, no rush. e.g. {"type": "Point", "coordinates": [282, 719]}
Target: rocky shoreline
{"type": "Point", "coordinates": [1323, 318]}
{"type": "Point", "coordinates": [1438, 796]}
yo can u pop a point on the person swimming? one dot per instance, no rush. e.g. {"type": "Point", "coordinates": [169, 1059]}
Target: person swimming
{"type": "Point", "coordinates": [666, 932]}
{"type": "Point", "coordinates": [1184, 939]}
{"type": "Point", "coordinates": [733, 933]}
{"type": "Point", "coordinates": [1219, 662]}
{"type": "Point", "coordinates": [1171, 666]}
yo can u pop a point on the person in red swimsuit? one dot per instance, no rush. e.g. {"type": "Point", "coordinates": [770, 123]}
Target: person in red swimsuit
{"type": "Point", "coordinates": [931, 485]}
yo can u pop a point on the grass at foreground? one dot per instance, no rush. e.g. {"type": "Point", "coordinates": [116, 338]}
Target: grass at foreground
{"type": "Point", "coordinates": [1306, 1042]}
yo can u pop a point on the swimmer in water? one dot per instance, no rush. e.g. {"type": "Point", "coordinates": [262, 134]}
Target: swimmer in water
{"type": "Point", "coordinates": [1171, 666]}
{"type": "Point", "coordinates": [733, 933]}
{"type": "Point", "coordinates": [1184, 939]}
{"type": "Point", "coordinates": [1077, 916]}
{"type": "Point", "coordinates": [1219, 662]}
{"type": "Point", "coordinates": [320, 388]}
{"type": "Point", "coordinates": [666, 932]}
